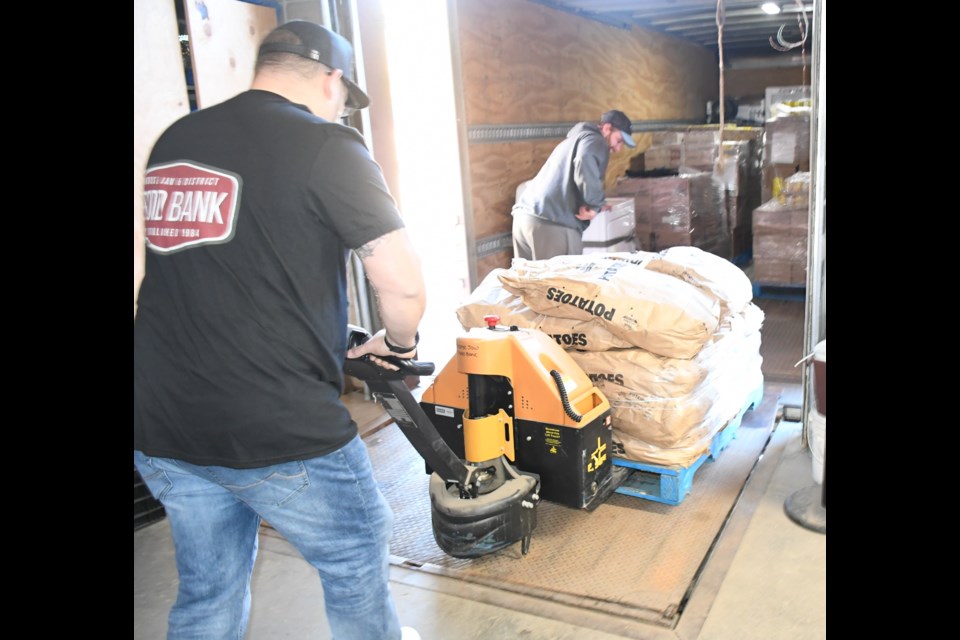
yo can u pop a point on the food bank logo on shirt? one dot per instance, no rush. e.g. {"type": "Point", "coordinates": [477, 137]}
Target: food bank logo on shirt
{"type": "Point", "coordinates": [186, 204]}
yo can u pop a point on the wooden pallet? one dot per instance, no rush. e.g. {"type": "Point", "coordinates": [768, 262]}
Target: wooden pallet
{"type": "Point", "coordinates": [670, 485]}
{"type": "Point", "coordinates": [779, 291]}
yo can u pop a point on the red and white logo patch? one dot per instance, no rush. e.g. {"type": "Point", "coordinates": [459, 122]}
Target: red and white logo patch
{"type": "Point", "coordinates": [186, 205]}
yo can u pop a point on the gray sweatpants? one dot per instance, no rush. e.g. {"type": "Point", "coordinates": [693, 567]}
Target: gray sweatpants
{"type": "Point", "coordinates": [536, 239]}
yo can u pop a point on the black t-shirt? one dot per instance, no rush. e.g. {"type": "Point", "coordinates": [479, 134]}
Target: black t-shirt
{"type": "Point", "coordinates": [251, 207]}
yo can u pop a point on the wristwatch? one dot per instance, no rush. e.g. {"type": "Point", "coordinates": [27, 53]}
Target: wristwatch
{"type": "Point", "coordinates": [396, 349]}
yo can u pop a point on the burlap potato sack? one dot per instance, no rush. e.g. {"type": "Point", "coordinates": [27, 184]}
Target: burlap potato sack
{"type": "Point", "coordinates": [710, 273]}
{"type": "Point", "coordinates": [491, 298]}
{"type": "Point", "coordinates": [648, 309]}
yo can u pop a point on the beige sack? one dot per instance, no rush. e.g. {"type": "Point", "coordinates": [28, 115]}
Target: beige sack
{"type": "Point", "coordinates": [648, 309]}
{"type": "Point", "coordinates": [490, 298]}
{"type": "Point", "coordinates": [668, 432]}
{"type": "Point", "coordinates": [638, 370]}
{"type": "Point", "coordinates": [708, 272]}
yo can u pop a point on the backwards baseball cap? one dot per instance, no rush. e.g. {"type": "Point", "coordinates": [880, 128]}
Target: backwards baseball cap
{"type": "Point", "coordinates": [321, 45]}
{"type": "Point", "coordinates": [620, 120]}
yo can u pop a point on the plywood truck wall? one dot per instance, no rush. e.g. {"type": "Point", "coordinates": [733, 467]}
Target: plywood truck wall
{"type": "Point", "coordinates": [746, 83]}
{"type": "Point", "coordinates": [159, 98]}
{"type": "Point", "coordinates": [525, 63]}
{"type": "Point", "coordinates": [224, 39]}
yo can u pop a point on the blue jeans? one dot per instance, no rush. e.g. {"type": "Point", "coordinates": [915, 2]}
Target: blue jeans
{"type": "Point", "coordinates": [329, 508]}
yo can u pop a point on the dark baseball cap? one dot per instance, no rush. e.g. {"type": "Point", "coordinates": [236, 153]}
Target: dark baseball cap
{"type": "Point", "coordinates": [620, 120]}
{"type": "Point", "coordinates": [324, 46]}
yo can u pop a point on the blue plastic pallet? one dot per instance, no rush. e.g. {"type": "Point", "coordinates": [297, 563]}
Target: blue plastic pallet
{"type": "Point", "coordinates": [779, 291]}
{"type": "Point", "coordinates": [743, 259]}
{"type": "Point", "coordinates": [670, 485]}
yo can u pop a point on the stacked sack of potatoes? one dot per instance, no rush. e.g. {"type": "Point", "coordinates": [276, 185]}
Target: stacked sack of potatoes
{"type": "Point", "coordinates": [671, 338]}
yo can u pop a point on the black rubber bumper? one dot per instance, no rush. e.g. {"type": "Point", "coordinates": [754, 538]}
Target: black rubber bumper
{"type": "Point", "coordinates": [470, 528]}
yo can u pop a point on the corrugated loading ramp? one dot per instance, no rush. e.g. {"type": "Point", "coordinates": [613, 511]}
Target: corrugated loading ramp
{"type": "Point", "coordinates": [630, 558]}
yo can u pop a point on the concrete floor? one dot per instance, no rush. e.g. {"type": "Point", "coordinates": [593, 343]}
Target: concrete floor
{"type": "Point", "coordinates": [766, 579]}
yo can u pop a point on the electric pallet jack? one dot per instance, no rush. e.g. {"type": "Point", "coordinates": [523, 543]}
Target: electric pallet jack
{"type": "Point", "coordinates": [510, 420]}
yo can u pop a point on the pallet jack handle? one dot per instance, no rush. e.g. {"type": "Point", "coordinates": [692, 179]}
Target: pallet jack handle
{"type": "Point", "coordinates": [388, 386]}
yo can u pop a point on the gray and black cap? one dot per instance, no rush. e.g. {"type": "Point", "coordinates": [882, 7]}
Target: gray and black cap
{"type": "Point", "coordinates": [620, 120]}
{"type": "Point", "coordinates": [324, 46]}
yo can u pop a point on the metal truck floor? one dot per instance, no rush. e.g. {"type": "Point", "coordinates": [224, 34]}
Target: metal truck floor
{"type": "Point", "coordinates": [762, 575]}
{"type": "Point", "coordinates": [751, 574]}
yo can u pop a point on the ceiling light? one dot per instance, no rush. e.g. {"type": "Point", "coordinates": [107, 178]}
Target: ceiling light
{"type": "Point", "coordinates": [771, 8]}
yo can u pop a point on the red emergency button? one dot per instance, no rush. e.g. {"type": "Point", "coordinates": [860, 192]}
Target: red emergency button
{"type": "Point", "coordinates": [492, 321]}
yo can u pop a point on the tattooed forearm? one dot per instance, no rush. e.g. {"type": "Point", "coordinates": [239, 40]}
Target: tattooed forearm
{"type": "Point", "coordinates": [367, 250]}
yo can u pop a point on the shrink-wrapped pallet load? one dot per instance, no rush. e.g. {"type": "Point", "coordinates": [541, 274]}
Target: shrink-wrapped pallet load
{"type": "Point", "coordinates": [688, 209]}
{"type": "Point", "coordinates": [786, 149]}
{"type": "Point", "coordinates": [780, 230]}
{"type": "Point", "coordinates": [667, 410]}
{"type": "Point", "coordinates": [732, 155]}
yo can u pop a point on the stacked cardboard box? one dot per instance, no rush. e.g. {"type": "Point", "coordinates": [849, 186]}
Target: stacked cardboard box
{"type": "Point", "coordinates": [780, 234]}
{"type": "Point", "coordinates": [786, 150]}
{"type": "Point", "coordinates": [701, 145]}
{"type": "Point", "coordinates": [665, 151]}
{"type": "Point", "coordinates": [636, 188]}
{"type": "Point", "coordinates": [687, 210]}
{"type": "Point", "coordinates": [683, 210]}
{"type": "Point", "coordinates": [698, 149]}
{"type": "Point", "coordinates": [662, 157]}
{"type": "Point", "coordinates": [778, 98]}
{"type": "Point", "coordinates": [660, 138]}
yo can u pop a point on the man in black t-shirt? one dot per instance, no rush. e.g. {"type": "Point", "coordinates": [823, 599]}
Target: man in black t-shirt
{"type": "Point", "coordinates": [251, 209]}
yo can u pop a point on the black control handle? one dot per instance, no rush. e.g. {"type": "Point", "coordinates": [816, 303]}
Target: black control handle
{"type": "Point", "coordinates": [366, 370]}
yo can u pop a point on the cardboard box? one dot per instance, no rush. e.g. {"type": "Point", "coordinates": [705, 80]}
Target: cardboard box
{"type": "Point", "coordinates": [615, 225]}
{"type": "Point", "coordinates": [701, 157]}
{"type": "Point", "coordinates": [776, 97]}
{"type": "Point", "coordinates": [610, 247]}
{"type": "Point", "coordinates": [774, 176]}
{"type": "Point", "coordinates": [662, 157]}
{"type": "Point", "coordinates": [786, 140]}
{"type": "Point", "coordinates": [706, 135]}
{"type": "Point", "coordinates": [638, 189]}
{"type": "Point", "coordinates": [774, 217]}
{"type": "Point", "coordinates": [716, 244]}
{"type": "Point", "coordinates": [664, 238]}
{"type": "Point", "coordinates": [786, 150]}
{"type": "Point", "coordinates": [780, 233]}
{"type": "Point", "coordinates": [779, 272]}
{"type": "Point", "coordinates": [663, 138]}
{"type": "Point", "coordinates": [780, 248]}
{"type": "Point", "coordinates": [683, 210]}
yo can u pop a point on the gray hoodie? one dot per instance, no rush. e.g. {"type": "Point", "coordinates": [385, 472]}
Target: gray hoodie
{"type": "Point", "coordinates": [571, 177]}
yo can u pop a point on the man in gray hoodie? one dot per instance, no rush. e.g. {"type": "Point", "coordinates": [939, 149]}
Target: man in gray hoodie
{"type": "Point", "coordinates": [556, 207]}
